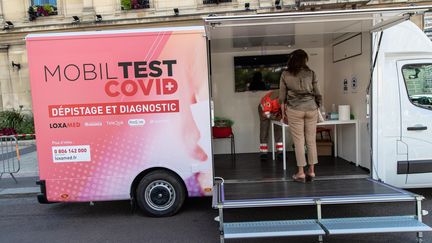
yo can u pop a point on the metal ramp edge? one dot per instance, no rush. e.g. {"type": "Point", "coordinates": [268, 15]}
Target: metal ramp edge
{"type": "Point", "coordinates": [250, 203]}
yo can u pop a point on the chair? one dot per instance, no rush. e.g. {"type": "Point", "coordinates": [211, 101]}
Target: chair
{"type": "Point", "coordinates": [226, 133]}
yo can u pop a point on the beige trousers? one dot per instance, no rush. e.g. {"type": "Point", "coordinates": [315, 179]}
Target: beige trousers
{"type": "Point", "coordinates": [302, 125]}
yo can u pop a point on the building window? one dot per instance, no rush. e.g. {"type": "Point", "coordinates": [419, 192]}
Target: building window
{"type": "Point", "coordinates": [216, 1]}
{"type": "Point", "coordinates": [40, 8]}
{"type": "Point", "coordinates": [44, 2]}
{"type": "Point", "coordinates": [418, 79]}
{"type": "Point", "coordinates": [134, 4]}
{"type": "Point", "coordinates": [427, 20]}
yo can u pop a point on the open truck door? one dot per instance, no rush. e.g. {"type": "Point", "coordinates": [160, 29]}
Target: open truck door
{"type": "Point", "coordinates": [314, 29]}
{"type": "Point", "coordinates": [309, 30]}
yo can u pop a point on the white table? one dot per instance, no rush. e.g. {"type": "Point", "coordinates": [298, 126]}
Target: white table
{"type": "Point", "coordinates": [333, 123]}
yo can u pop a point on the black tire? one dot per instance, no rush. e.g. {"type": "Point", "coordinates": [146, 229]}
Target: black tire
{"type": "Point", "coordinates": [160, 194]}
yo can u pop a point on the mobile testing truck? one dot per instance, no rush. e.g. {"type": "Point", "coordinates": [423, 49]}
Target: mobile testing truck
{"type": "Point", "coordinates": [126, 114]}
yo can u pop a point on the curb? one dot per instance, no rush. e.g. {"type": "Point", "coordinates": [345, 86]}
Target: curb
{"type": "Point", "coordinates": [24, 195]}
{"type": "Point", "coordinates": [26, 142]}
{"type": "Point", "coordinates": [24, 174]}
{"type": "Point", "coordinates": [19, 192]}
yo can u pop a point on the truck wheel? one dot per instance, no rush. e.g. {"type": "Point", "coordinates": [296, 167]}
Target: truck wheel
{"type": "Point", "coordinates": [160, 194]}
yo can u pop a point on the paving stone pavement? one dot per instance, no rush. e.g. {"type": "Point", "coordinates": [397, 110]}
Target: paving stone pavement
{"type": "Point", "coordinates": [27, 175]}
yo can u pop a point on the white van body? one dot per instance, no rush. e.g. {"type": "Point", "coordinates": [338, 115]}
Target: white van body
{"type": "Point", "coordinates": [393, 112]}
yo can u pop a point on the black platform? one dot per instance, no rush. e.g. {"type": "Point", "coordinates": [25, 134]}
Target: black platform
{"type": "Point", "coordinates": [249, 167]}
{"type": "Point", "coordinates": [252, 182]}
{"type": "Point", "coordinates": [316, 189]}
{"type": "Point", "coordinates": [288, 193]}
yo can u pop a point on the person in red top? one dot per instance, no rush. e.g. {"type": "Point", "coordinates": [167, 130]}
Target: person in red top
{"type": "Point", "coordinates": [269, 109]}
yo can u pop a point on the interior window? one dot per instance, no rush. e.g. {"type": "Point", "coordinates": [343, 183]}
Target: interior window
{"type": "Point", "coordinates": [418, 80]}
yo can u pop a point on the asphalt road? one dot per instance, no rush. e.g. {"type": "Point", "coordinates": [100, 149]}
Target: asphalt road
{"type": "Point", "coordinates": [22, 219]}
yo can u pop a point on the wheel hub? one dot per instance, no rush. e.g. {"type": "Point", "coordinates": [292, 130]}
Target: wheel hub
{"type": "Point", "coordinates": [160, 195]}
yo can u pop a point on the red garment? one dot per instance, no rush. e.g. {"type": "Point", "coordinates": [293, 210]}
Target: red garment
{"type": "Point", "coordinates": [270, 102]}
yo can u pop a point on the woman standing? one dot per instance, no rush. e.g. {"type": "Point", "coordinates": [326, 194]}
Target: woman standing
{"type": "Point", "coordinates": [299, 91]}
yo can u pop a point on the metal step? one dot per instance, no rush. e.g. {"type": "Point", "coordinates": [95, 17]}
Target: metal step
{"type": "Point", "coordinates": [272, 229]}
{"type": "Point", "coordinates": [373, 225]}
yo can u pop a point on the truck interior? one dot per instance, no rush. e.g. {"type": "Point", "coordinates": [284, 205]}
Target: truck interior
{"type": "Point", "coordinates": [340, 49]}
{"type": "Point", "coordinates": [340, 53]}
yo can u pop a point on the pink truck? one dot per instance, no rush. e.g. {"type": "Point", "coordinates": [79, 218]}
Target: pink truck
{"type": "Point", "coordinates": [122, 115]}
{"type": "Point", "coordinates": [126, 115]}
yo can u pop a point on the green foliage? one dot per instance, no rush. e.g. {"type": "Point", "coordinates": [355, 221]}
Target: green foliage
{"type": "Point", "coordinates": [223, 122]}
{"type": "Point", "coordinates": [27, 125]}
{"type": "Point", "coordinates": [48, 8]}
{"type": "Point", "coordinates": [126, 4]}
{"type": "Point", "coordinates": [11, 119]}
{"type": "Point", "coordinates": [36, 11]}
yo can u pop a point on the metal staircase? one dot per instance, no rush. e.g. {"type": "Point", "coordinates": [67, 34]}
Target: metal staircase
{"type": "Point", "coordinates": [318, 226]}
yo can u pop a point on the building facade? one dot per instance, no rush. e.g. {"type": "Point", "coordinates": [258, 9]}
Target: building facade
{"type": "Point", "coordinates": [22, 17]}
